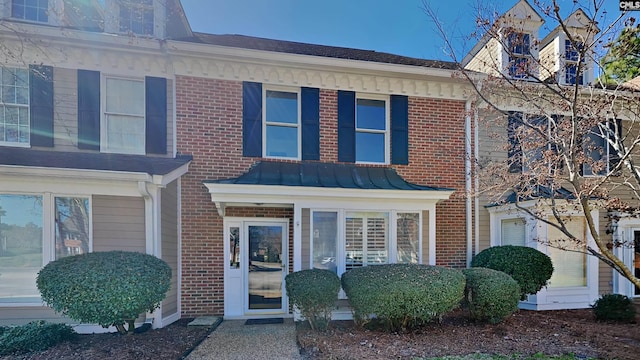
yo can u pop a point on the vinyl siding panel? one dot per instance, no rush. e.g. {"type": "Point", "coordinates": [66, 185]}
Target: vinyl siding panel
{"type": "Point", "coordinates": [24, 314]}
{"type": "Point", "coordinates": [65, 109]}
{"type": "Point", "coordinates": [118, 223]}
{"type": "Point", "coordinates": [169, 213]}
{"type": "Point", "coordinates": [425, 237]}
{"type": "Point", "coordinates": [549, 59]}
{"type": "Point", "coordinates": [485, 60]}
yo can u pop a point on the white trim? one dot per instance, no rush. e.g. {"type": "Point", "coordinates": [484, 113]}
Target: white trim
{"type": "Point", "coordinates": [387, 125]}
{"type": "Point", "coordinates": [625, 231]}
{"type": "Point", "coordinates": [298, 125]}
{"type": "Point", "coordinates": [104, 140]}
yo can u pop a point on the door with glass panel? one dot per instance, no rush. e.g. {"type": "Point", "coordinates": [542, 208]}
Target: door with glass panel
{"type": "Point", "coordinates": [266, 265]}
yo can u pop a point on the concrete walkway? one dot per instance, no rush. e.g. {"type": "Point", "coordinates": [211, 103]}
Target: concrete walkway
{"type": "Point", "coordinates": [232, 339]}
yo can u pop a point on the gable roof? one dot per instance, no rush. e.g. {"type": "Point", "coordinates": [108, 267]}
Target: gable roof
{"type": "Point", "coordinates": [324, 175]}
{"type": "Point", "coordinates": [291, 47]}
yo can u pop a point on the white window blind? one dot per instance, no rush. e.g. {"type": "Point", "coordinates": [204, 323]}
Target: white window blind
{"type": "Point", "coordinates": [513, 232]}
{"type": "Point", "coordinates": [569, 267]}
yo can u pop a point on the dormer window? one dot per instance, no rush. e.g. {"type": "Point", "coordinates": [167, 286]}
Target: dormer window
{"type": "Point", "coordinates": [572, 55]}
{"type": "Point", "coordinates": [519, 48]}
{"type": "Point", "coordinates": [32, 10]}
{"type": "Point", "coordinates": [136, 16]}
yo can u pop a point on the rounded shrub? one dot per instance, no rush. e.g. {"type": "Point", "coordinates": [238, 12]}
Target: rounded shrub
{"type": "Point", "coordinates": [490, 295]}
{"type": "Point", "coordinates": [614, 307]}
{"type": "Point", "coordinates": [107, 288]}
{"type": "Point", "coordinates": [34, 336]}
{"type": "Point", "coordinates": [402, 296]}
{"type": "Point", "coordinates": [528, 266]}
{"type": "Point", "coordinates": [314, 292]}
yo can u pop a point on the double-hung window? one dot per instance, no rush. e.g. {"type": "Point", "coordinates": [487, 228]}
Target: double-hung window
{"type": "Point", "coordinates": [372, 130]}
{"type": "Point", "coordinates": [14, 106]}
{"type": "Point", "coordinates": [124, 116]}
{"type": "Point", "coordinates": [136, 16]}
{"type": "Point", "coordinates": [519, 54]}
{"type": "Point", "coordinates": [36, 229]}
{"type": "Point", "coordinates": [572, 55]}
{"type": "Point", "coordinates": [33, 10]}
{"type": "Point", "coordinates": [281, 124]}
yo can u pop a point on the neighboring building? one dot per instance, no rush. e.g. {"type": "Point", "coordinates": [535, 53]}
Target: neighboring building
{"type": "Point", "coordinates": [511, 50]}
{"type": "Point", "coordinates": [87, 144]}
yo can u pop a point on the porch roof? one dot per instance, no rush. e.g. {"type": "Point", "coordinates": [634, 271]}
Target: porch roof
{"type": "Point", "coordinates": [537, 192]}
{"type": "Point", "coordinates": [22, 160]}
{"type": "Point", "coordinates": [324, 175]}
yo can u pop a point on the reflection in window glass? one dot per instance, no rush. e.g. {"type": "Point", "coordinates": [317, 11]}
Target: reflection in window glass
{"type": "Point", "coordinates": [324, 239]}
{"type": "Point", "coordinates": [20, 247]}
{"type": "Point", "coordinates": [371, 127]}
{"type": "Point", "coordinates": [14, 105]}
{"type": "Point", "coordinates": [72, 226]}
{"type": "Point", "coordinates": [408, 238]}
{"type": "Point", "coordinates": [34, 10]}
{"type": "Point", "coordinates": [136, 17]}
{"type": "Point", "coordinates": [281, 116]}
{"type": "Point", "coordinates": [234, 247]}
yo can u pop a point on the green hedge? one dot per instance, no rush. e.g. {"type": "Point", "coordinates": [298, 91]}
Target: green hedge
{"type": "Point", "coordinates": [402, 296]}
{"type": "Point", "coordinates": [531, 268]}
{"type": "Point", "coordinates": [34, 336]}
{"type": "Point", "coordinates": [490, 295]}
{"type": "Point", "coordinates": [106, 288]}
{"type": "Point", "coordinates": [614, 307]}
{"type": "Point", "coordinates": [314, 292]}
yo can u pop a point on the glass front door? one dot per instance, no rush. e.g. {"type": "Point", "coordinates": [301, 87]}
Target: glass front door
{"type": "Point", "coordinates": [266, 266]}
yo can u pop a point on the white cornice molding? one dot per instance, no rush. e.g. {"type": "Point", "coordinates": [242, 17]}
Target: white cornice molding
{"type": "Point", "coordinates": [219, 62]}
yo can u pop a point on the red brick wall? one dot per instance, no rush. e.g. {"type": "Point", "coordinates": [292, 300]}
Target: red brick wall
{"type": "Point", "coordinates": [209, 127]}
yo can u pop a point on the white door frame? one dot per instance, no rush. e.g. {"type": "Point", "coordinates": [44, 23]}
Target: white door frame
{"type": "Point", "coordinates": [236, 285]}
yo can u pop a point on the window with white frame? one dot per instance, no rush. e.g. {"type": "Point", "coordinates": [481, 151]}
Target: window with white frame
{"type": "Point", "coordinates": [14, 106]}
{"type": "Point", "coordinates": [343, 240]}
{"type": "Point", "coordinates": [519, 54]}
{"type": "Point", "coordinates": [513, 232]}
{"type": "Point", "coordinates": [569, 259]}
{"type": "Point", "coordinates": [372, 130]}
{"type": "Point", "coordinates": [36, 229]}
{"type": "Point", "coordinates": [136, 16]}
{"type": "Point", "coordinates": [282, 124]}
{"type": "Point", "coordinates": [32, 10]}
{"type": "Point", "coordinates": [124, 116]}
{"type": "Point", "coordinates": [572, 55]}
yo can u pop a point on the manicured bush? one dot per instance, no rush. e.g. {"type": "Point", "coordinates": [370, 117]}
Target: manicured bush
{"type": "Point", "coordinates": [106, 288]}
{"type": "Point", "coordinates": [34, 336]}
{"type": "Point", "coordinates": [614, 307]}
{"type": "Point", "coordinates": [402, 296]}
{"type": "Point", "coordinates": [490, 295]}
{"type": "Point", "coordinates": [528, 266]}
{"type": "Point", "coordinates": [314, 292]}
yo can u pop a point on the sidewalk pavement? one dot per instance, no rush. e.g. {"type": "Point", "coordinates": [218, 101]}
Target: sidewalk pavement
{"type": "Point", "coordinates": [232, 340]}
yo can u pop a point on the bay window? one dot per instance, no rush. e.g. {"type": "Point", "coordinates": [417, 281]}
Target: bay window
{"type": "Point", "coordinates": [342, 240]}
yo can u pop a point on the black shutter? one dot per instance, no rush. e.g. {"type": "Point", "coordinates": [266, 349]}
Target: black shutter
{"type": "Point", "coordinates": [399, 129]}
{"type": "Point", "coordinates": [310, 108]}
{"type": "Point", "coordinates": [41, 105]}
{"type": "Point", "coordinates": [88, 110]}
{"type": "Point", "coordinates": [156, 115]}
{"type": "Point", "coordinates": [346, 126]}
{"type": "Point", "coordinates": [514, 153]}
{"type": "Point", "coordinates": [251, 119]}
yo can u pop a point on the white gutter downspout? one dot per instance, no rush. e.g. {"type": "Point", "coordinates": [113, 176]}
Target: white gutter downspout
{"type": "Point", "coordinates": [152, 235]}
{"type": "Point", "coordinates": [468, 180]}
{"type": "Point", "coordinates": [477, 180]}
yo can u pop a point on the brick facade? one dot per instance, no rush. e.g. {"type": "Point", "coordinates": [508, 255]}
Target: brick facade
{"type": "Point", "coordinates": [209, 127]}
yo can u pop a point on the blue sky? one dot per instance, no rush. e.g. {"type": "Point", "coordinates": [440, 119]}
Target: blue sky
{"type": "Point", "coordinates": [395, 26]}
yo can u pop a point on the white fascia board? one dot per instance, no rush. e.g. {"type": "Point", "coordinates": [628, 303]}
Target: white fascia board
{"type": "Point", "coordinates": [164, 180]}
{"type": "Point", "coordinates": [182, 48]}
{"type": "Point", "coordinates": [275, 194]}
{"type": "Point", "coordinates": [76, 174]}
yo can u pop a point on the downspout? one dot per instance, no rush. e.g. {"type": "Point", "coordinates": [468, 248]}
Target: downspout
{"type": "Point", "coordinates": [152, 236]}
{"type": "Point", "coordinates": [468, 180]}
{"type": "Point", "coordinates": [475, 171]}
